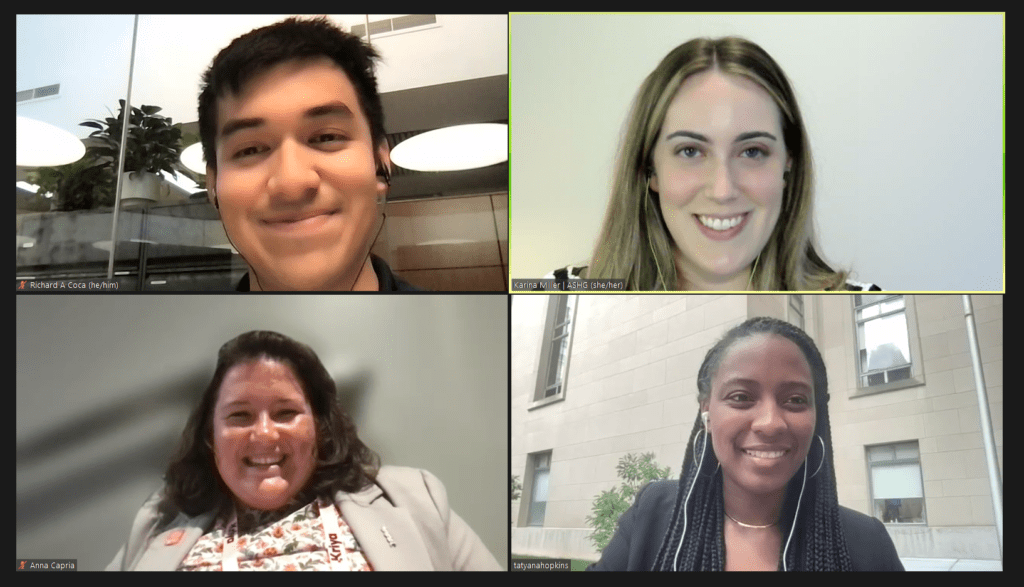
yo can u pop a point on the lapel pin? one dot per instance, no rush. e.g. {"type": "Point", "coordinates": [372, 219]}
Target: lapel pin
{"type": "Point", "coordinates": [388, 536]}
{"type": "Point", "coordinates": [174, 537]}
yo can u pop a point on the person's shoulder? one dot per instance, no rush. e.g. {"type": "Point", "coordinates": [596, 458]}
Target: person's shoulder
{"type": "Point", "coordinates": [870, 546]}
{"type": "Point", "coordinates": [860, 286]}
{"type": "Point", "coordinates": [568, 272]}
{"type": "Point", "coordinates": [386, 278]}
{"type": "Point", "coordinates": [657, 494]}
{"type": "Point", "coordinates": [396, 474]}
{"type": "Point", "coordinates": [409, 480]}
{"type": "Point", "coordinates": [417, 490]}
{"type": "Point", "coordinates": [857, 522]}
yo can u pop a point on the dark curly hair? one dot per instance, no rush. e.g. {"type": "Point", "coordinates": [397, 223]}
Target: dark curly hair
{"type": "Point", "coordinates": [344, 463]}
{"type": "Point", "coordinates": [291, 39]}
{"type": "Point", "coordinates": [816, 539]}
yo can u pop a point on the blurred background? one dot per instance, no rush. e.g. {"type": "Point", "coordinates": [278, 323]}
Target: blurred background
{"type": "Point", "coordinates": [105, 384]}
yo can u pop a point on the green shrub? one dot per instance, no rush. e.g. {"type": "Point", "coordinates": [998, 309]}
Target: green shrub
{"type": "Point", "coordinates": [635, 472]}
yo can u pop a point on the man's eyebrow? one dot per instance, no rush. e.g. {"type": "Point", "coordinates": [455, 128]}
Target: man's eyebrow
{"type": "Point", "coordinates": [329, 109]}
{"type": "Point", "coordinates": [740, 137]}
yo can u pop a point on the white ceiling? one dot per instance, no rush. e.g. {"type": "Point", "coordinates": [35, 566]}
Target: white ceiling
{"type": "Point", "coordinates": [89, 56]}
{"type": "Point", "coordinates": [453, 72]}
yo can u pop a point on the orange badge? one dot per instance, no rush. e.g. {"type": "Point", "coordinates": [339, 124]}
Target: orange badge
{"type": "Point", "coordinates": [174, 537]}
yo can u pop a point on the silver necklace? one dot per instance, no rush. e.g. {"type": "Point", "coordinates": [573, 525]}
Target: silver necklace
{"type": "Point", "coordinates": [747, 525]}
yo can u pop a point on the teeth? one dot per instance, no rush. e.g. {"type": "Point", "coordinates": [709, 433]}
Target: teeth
{"type": "Point", "coordinates": [266, 461]}
{"type": "Point", "coordinates": [719, 223]}
{"type": "Point", "coordinates": [765, 455]}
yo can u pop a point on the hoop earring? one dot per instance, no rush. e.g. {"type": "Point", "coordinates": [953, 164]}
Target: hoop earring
{"type": "Point", "coordinates": [820, 463]}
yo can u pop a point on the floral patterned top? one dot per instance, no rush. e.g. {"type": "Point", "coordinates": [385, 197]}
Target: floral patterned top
{"type": "Point", "coordinates": [292, 543]}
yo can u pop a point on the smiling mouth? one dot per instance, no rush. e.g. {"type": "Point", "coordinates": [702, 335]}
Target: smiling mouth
{"type": "Point", "coordinates": [716, 223]}
{"type": "Point", "coordinates": [760, 454]}
{"type": "Point", "coordinates": [300, 225]}
{"type": "Point", "coordinates": [721, 229]}
{"type": "Point", "coordinates": [264, 464]}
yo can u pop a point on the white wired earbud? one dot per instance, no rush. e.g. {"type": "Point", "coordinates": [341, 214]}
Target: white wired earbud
{"type": "Point", "coordinates": [797, 512]}
{"type": "Point", "coordinates": [704, 417]}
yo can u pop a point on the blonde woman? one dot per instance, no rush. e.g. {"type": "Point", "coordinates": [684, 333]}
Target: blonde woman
{"type": "Point", "coordinates": [714, 180]}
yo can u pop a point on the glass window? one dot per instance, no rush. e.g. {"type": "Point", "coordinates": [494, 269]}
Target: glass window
{"type": "Point", "coordinates": [882, 338]}
{"type": "Point", "coordinates": [796, 310]}
{"type": "Point", "coordinates": [168, 236]}
{"type": "Point", "coordinates": [558, 348]}
{"type": "Point", "coordinates": [897, 491]}
{"type": "Point", "coordinates": [539, 492]}
{"type": "Point", "coordinates": [443, 231]}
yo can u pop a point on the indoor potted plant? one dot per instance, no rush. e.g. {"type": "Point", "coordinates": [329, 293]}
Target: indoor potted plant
{"type": "Point", "coordinates": [154, 145]}
{"type": "Point", "coordinates": [81, 185]}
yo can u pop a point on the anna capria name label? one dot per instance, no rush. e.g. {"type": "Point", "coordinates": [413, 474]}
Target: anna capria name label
{"type": "Point", "coordinates": [67, 564]}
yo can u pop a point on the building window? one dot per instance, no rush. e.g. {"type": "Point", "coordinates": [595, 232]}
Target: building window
{"type": "Point", "coordinates": [882, 339]}
{"type": "Point", "coordinates": [897, 491]}
{"type": "Point", "coordinates": [557, 346]}
{"type": "Point", "coordinates": [796, 311]}
{"type": "Point", "coordinates": [539, 489]}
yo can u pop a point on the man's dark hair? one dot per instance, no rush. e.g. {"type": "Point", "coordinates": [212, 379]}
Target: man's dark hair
{"type": "Point", "coordinates": [343, 462]}
{"type": "Point", "coordinates": [263, 48]}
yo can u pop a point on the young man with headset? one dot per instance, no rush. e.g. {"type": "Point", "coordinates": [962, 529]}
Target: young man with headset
{"type": "Point", "coordinates": [298, 163]}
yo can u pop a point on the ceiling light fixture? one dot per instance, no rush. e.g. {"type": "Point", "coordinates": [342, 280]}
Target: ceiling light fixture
{"type": "Point", "coordinates": [466, 146]}
{"type": "Point", "coordinates": [44, 145]}
{"type": "Point", "coordinates": [192, 158]}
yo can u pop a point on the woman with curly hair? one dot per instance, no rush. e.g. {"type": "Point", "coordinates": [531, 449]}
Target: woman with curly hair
{"type": "Point", "coordinates": [271, 475]}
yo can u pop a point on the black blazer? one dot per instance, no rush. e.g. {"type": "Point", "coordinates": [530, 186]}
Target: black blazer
{"type": "Point", "coordinates": [642, 529]}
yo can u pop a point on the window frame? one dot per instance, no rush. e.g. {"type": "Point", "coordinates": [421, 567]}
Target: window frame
{"type": "Point", "coordinates": [548, 346]}
{"type": "Point", "coordinates": [796, 306]}
{"type": "Point", "coordinates": [905, 461]}
{"type": "Point", "coordinates": [533, 463]}
{"type": "Point", "coordinates": [909, 310]}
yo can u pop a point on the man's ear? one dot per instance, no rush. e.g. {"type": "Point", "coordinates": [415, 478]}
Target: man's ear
{"type": "Point", "coordinates": [211, 180]}
{"type": "Point", "coordinates": [383, 161]}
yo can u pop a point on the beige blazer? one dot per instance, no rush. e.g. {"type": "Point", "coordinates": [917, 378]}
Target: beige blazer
{"type": "Point", "coordinates": [410, 503]}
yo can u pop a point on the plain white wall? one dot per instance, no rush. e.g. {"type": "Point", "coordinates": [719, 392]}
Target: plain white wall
{"type": "Point", "coordinates": [105, 384]}
{"type": "Point", "coordinates": [904, 114]}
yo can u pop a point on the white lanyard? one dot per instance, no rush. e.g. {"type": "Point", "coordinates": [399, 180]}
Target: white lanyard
{"type": "Point", "coordinates": [329, 523]}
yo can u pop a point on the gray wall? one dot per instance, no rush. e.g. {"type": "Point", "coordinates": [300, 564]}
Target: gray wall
{"type": "Point", "coordinates": [105, 383]}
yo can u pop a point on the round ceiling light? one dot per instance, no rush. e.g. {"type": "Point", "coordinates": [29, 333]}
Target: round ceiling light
{"type": "Point", "coordinates": [44, 145]}
{"type": "Point", "coordinates": [467, 146]}
{"type": "Point", "coordinates": [192, 158]}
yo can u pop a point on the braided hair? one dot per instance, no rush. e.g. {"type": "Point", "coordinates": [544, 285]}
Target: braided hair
{"type": "Point", "coordinates": [813, 536]}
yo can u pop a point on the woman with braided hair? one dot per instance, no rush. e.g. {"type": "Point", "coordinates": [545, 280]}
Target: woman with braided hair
{"type": "Point", "coordinates": [758, 489]}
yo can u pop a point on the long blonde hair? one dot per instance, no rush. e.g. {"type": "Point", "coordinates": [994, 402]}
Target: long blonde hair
{"type": "Point", "coordinates": [635, 244]}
